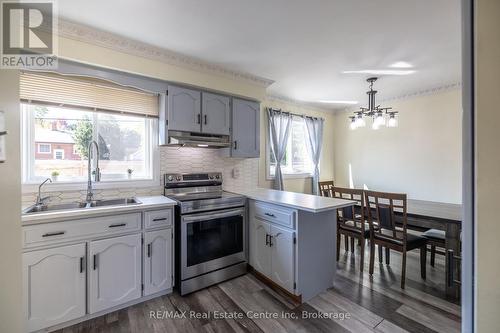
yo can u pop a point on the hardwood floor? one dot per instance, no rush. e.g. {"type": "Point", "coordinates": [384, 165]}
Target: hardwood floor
{"type": "Point", "coordinates": [375, 304]}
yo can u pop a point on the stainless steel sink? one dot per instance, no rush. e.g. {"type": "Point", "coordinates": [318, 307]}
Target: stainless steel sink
{"type": "Point", "coordinates": [81, 205]}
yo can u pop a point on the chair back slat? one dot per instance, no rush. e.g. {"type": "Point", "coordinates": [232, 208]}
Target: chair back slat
{"type": "Point", "coordinates": [352, 217]}
{"type": "Point", "coordinates": [382, 208]}
{"type": "Point", "coordinates": [325, 188]}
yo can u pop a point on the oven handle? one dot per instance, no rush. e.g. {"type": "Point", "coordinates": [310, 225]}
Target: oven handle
{"type": "Point", "coordinates": [211, 216]}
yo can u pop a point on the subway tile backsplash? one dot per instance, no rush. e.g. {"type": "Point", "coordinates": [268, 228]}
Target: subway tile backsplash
{"type": "Point", "coordinates": [172, 160]}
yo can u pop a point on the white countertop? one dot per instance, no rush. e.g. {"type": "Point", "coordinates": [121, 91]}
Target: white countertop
{"type": "Point", "coordinates": [300, 201]}
{"type": "Point", "coordinates": [146, 203]}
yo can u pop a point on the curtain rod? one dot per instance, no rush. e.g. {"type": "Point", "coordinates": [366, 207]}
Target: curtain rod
{"type": "Point", "coordinates": [296, 114]}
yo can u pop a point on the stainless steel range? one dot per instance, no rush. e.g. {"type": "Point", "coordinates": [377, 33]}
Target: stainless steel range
{"type": "Point", "coordinates": [210, 231]}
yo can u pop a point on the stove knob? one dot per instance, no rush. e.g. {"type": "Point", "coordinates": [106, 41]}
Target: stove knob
{"type": "Point", "coordinates": [170, 178]}
{"type": "Point", "coordinates": [211, 177]}
{"type": "Point", "coordinates": [178, 178]}
{"type": "Point", "coordinates": [217, 176]}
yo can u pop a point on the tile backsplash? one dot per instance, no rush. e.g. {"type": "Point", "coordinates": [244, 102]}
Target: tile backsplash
{"type": "Point", "coordinates": [172, 160]}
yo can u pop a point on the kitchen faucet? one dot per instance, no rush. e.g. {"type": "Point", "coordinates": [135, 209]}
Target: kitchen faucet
{"type": "Point", "coordinates": [90, 192]}
{"type": "Point", "coordinates": [39, 200]}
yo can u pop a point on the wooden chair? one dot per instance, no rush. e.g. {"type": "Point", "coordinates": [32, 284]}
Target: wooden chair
{"type": "Point", "coordinates": [382, 208]}
{"type": "Point", "coordinates": [350, 223]}
{"type": "Point", "coordinates": [325, 188]}
{"type": "Point", "coordinates": [435, 238]}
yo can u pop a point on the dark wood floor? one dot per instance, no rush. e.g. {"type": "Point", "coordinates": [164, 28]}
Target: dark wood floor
{"type": "Point", "coordinates": [374, 304]}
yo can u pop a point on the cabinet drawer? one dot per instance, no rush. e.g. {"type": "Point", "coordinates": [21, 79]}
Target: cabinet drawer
{"type": "Point", "coordinates": [158, 218]}
{"type": "Point", "coordinates": [275, 214]}
{"type": "Point", "coordinates": [57, 232]}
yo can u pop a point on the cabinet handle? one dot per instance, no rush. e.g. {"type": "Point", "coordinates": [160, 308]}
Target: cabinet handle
{"type": "Point", "coordinates": [235, 144]}
{"type": "Point", "coordinates": [160, 219]}
{"type": "Point", "coordinates": [149, 250]}
{"type": "Point", "coordinates": [267, 239]}
{"type": "Point", "coordinates": [95, 261]}
{"type": "Point", "coordinates": [205, 119]}
{"type": "Point", "coordinates": [270, 214]}
{"type": "Point", "coordinates": [81, 264]}
{"type": "Point", "coordinates": [199, 118]}
{"type": "Point", "coordinates": [270, 241]}
{"type": "Point", "coordinates": [50, 234]}
{"type": "Point", "coordinates": [118, 225]}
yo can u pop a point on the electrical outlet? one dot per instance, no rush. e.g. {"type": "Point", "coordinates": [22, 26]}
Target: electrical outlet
{"type": "Point", "coordinates": [236, 173]}
{"type": "Point", "coordinates": [3, 134]}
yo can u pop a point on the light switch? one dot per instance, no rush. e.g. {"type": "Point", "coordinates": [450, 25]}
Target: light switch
{"type": "Point", "coordinates": [3, 134]}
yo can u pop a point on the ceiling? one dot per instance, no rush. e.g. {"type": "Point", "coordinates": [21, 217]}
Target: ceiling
{"type": "Point", "coordinates": [304, 46]}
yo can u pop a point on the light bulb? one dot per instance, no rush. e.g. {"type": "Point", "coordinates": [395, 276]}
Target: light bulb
{"type": "Point", "coordinates": [353, 124]}
{"type": "Point", "coordinates": [360, 122]}
{"type": "Point", "coordinates": [392, 122]}
{"type": "Point", "coordinates": [379, 119]}
{"type": "Point", "coordinates": [375, 125]}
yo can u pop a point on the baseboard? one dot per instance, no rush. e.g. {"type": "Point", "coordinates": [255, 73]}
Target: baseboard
{"type": "Point", "coordinates": [274, 286]}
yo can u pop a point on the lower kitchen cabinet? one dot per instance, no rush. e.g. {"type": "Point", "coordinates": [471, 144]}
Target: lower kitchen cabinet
{"type": "Point", "coordinates": [157, 261]}
{"type": "Point", "coordinates": [114, 271]}
{"type": "Point", "coordinates": [272, 252]}
{"type": "Point", "coordinates": [54, 285]}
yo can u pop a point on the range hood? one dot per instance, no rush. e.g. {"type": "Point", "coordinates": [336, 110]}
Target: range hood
{"type": "Point", "coordinates": [200, 140]}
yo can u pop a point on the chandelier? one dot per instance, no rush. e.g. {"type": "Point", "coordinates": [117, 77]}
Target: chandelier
{"type": "Point", "coordinates": [380, 116]}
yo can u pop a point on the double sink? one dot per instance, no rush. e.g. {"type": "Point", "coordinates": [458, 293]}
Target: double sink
{"type": "Point", "coordinates": [81, 205]}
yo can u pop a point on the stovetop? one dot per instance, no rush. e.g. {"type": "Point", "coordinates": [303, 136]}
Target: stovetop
{"type": "Point", "coordinates": [200, 192]}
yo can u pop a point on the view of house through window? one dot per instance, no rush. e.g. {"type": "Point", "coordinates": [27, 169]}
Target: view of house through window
{"type": "Point", "coordinates": [57, 139]}
{"type": "Point", "coordinates": [297, 160]}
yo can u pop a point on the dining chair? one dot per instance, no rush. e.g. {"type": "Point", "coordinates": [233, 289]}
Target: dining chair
{"type": "Point", "coordinates": [325, 188]}
{"type": "Point", "coordinates": [351, 223]}
{"type": "Point", "coordinates": [435, 238]}
{"type": "Point", "coordinates": [382, 210]}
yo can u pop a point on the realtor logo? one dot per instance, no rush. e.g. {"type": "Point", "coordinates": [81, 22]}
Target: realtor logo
{"type": "Point", "coordinates": [28, 35]}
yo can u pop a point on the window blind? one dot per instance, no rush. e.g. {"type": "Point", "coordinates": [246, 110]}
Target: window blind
{"type": "Point", "coordinates": [89, 93]}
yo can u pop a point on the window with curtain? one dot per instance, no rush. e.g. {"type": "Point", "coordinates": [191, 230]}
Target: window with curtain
{"type": "Point", "coordinates": [297, 161]}
{"type": "Point", "coordinates": [62, 115]}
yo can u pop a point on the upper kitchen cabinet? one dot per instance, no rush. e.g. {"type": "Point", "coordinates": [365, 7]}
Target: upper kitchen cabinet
{"type": "Point", "coordinates": [183, 109]}
{"type": "Point", "coordinates": [245, 128]}
{"type": "Point", "coordinates": [216, 114]}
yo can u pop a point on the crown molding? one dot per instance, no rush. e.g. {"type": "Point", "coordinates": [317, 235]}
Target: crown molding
{"type": "Point", "coordinates": [308, 105]}
{"type": "Point", "coordinates": [423, 92]}
{"type": "Point", "coordinates": [90, 35]}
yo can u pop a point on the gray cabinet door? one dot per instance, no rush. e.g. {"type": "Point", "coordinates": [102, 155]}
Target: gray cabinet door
{"type": "Point", "coordinates": [184, 109]}
{"type": "Point", "coordinates": [215, 113]}
{"type": "Point", "coordinates": [246, 128]}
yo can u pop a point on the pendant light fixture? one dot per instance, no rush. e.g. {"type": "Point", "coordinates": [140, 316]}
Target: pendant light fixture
{"type": "Point", "coordinates": [380, 116]}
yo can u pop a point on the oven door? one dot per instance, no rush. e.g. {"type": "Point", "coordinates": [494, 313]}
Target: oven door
{"type": "Point", "coordinates": [211, 240]}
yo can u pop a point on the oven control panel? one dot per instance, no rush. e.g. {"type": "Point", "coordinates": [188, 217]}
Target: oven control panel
{"type": "Point", "coordinates": [172, 178]}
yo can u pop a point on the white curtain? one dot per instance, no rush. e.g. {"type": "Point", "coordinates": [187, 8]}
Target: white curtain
{"type": "Point", "coordinates": [279, 130]}
{"type": "Point", "coordinates": [314, 144]}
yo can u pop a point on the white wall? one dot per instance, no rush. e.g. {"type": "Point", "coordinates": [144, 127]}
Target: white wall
{"type": "Point", "coordinates": [10, 208]}
{"type": "Point", "coordinates": [421, 157]}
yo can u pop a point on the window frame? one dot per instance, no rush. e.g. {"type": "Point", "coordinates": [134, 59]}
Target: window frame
{"type": "Point", "coordinates": [39, 151]}
{"type": "Point", "coordinates": [30, 182]}
{"type": "Point", "coordinates": [58, 150]}
{"type": "Point", "coordinates": [269, 176]}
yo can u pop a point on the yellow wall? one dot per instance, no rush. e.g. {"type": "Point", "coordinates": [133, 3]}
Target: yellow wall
{"type": "Point", "coordinates": [487, 136]}
{"type": "Point", "coordinates": [10, 208]}
{"type": "Point", "coordinates": [421, 157]}
{"type": "Point", "coordinates": [303, 185]}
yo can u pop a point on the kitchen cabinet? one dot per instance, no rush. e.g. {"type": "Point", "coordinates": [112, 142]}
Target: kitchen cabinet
{"type": "Point", "coordinates": [158, 252]}
{"type": "Point", "coordinates": [184, 109]}
{"type": "Point", "coordinates": [272, 249]}
{"type": "Point", "coordinates": [54, 284]}
{"type": "Point", "coordinates": [215, 111]}
{"type": "Point", "coordinates": [114, 272]}
{"type": "Point", "coordinates": [245, 128]}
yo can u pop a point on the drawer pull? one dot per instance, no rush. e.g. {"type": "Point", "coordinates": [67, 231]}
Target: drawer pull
{"type": "Point", "coordinates": [50, 234]}
{"type": "Point", "coordinates": [118, 225]}
{"type": "Point", "coordinates": [270, 214]}
{"type": "Point", "coordinates": [160, 219]}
